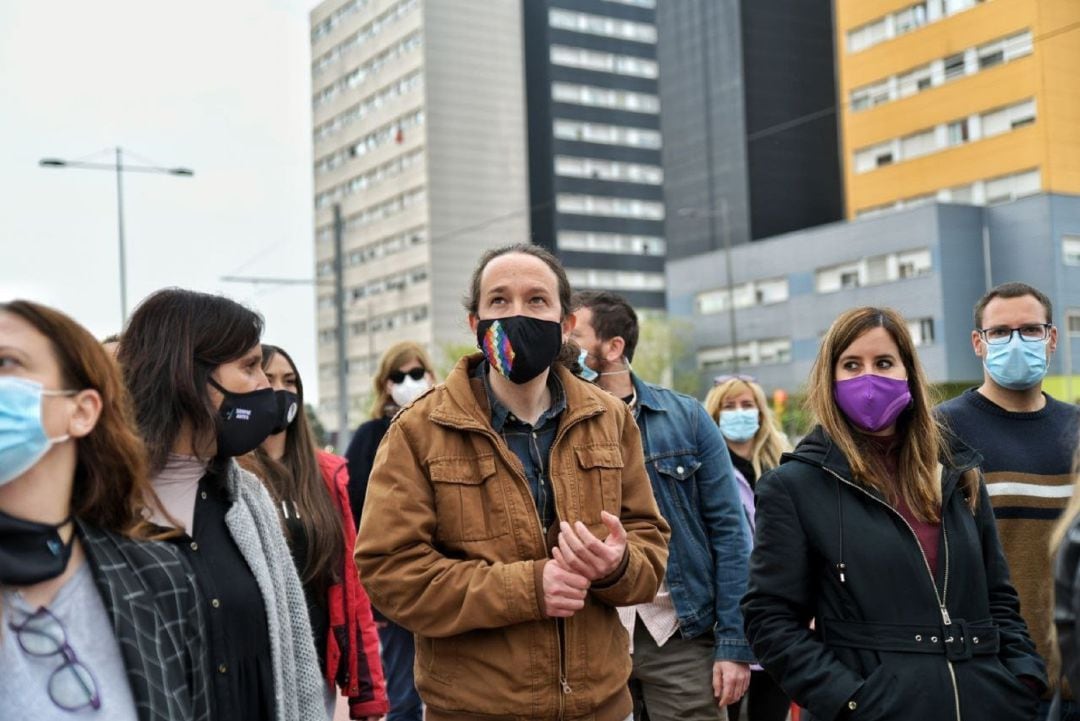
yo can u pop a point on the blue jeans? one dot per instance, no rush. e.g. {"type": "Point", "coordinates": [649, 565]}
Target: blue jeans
{"type": "Point", "coordinates": [397, 658]}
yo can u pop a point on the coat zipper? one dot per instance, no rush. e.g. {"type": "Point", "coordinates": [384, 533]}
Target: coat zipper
{"type": "Point", "coordinates": [941, 596]}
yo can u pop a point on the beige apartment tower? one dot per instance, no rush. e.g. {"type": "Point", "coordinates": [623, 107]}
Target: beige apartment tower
{"type": "Point", "coordinates": [419, 131]}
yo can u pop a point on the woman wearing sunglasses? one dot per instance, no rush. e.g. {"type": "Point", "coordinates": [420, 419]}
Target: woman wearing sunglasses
{"type": "Point", "coordinates": [737, 404]}
{"type": "Point", "coordinates": [95, 623]}
{"type": "Point", "coordinates": [404, 374]}
{"type": "Point", "coordinates": [193, 365]}
{"type": "Point", "coordinates": [879, 528]}
{"type": "Point", "coordinates": [310, 488]}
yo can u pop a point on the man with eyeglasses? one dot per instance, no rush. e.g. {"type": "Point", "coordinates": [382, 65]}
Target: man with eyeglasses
{"type": "Point", "coordinates": [1027, 440]}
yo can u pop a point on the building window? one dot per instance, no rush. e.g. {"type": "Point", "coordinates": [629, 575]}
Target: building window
{"type": "Point", "coordinates": [750, 353]}
{"type": "Point", "coordinates": [607, 134]}
{"type": "Point", "coordinates": [747, 295]}
{"type": "Point", "coordinates": [958, 132]}
{"type": "Point", "coordinates": [613, 170]}
{"type": "Point", "coordinates": [918, 144]}
{"type": "Point", "coordinates": [601, 25]}
{"type": "Point", "coordinates": [615, 279]}
{"type": "Point", "coordinates": [922, 331]}
{"type": "Point", "coordinates": [1003, 120]}
{"type": "Point", "coordinates": [955, 66]}
{"type": "Point", "coordinates": [903, 21]}
{"type": "Point", "coordinates": [610, 207]}
{"type": "Point", "coordinates": [635, 3]}
{"type": "Point", "coordinates": [914, 81]}
{"type": "Point", "coordinates": [602, 62]}
{"type": "Point", "coordinates": [611, 243]}
{"type": "Point", "coordinates": [1070, 247]}
{"type": "Point", "coordinates": [874, 270]}
{"type": "Point", "coordinates": [596, 97]}
{"type": "Point", "coordinates": [1072, 323]}
{"type": "Point", "coordinates": [909, 19]}
{"type": "Point", "coordinates": [870, 95]}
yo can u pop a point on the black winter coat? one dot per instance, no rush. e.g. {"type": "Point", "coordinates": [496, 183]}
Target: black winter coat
{"type": "Point", "coordinates": [887, 636]}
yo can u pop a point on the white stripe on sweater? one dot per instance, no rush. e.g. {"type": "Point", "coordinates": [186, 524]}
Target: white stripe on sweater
{"type": "Point", "coordinates": [1035, 490]}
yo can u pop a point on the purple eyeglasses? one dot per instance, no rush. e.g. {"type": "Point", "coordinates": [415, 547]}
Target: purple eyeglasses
{"type": "Point", "coordinates": [71, 686]}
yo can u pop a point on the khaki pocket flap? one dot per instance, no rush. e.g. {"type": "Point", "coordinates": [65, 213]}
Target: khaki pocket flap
{"type": "Point", "coordinates": [600, 456]}
{"type": "Point", "coordinates": [462, 469]}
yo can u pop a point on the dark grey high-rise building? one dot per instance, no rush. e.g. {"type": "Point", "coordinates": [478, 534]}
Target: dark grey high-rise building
{"type": "Point", "coordinates": [749, 120]}
{"type": "Point", "coordinates": [595, 176]}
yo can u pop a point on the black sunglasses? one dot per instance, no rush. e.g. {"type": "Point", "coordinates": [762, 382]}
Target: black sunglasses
{"type": "Point", "coordinates": [399, 376]}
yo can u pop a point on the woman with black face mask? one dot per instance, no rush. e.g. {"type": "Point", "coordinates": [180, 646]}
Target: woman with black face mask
{"type": "Point", "coordinates": [193, 364]}
{"type": "Point", "coordinates": [310, 488]}
{"type": "Point", "coordinates": [95, 621]}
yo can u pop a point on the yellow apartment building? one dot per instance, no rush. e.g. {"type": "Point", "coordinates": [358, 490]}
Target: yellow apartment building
{"type": "Point", "coordinates": [969, 101]}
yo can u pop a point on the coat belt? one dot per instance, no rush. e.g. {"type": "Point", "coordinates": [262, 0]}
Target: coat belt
{"type": "Point", "coordinates": [958, 641]}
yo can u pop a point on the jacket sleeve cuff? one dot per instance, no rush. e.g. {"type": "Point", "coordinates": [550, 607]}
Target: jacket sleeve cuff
{"type": "Point", "coordinates": [612, 578]}
{"type": "Point", "coordinates": [364, 709]}
{"type": "Point", "coordinates": [734, 651]}
{"type": "Point", "coordinates": [538, 585]}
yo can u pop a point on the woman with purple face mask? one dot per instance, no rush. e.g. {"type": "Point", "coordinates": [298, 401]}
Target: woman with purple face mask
{"type": "Point", "coordinates": [879, 529]}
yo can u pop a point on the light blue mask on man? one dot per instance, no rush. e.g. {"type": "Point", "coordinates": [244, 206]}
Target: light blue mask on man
{"type": "Point", "coordinates": [586, 373]}
{"type": "Point", "coordinates": [1016, 365]}
{"type": "Point", "coordinates": [22, 436]}
{"type": "Point", "coordinates": [739, 426]}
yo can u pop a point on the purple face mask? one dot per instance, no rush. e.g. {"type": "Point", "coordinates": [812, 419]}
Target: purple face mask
{"type": "Point", "coordinates": [872, 402]}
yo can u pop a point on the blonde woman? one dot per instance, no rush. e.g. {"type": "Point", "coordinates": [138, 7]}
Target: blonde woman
{"type": "Point", "coordinates": [879, 528]}
{"type": "Point", "coordinates": [737, 404]}
{"type": "Point", "coordinates": [405, 372]}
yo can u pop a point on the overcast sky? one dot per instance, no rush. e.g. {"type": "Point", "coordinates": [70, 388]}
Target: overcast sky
{"type": "Point", "coordinates": [222, 87]}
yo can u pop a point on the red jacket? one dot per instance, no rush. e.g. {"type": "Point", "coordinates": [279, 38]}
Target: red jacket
{"type": "Point", "coordinates": [352, 646]}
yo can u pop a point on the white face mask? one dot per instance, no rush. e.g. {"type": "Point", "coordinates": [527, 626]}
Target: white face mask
{"type": "Point", "coordinates": [408, 390]}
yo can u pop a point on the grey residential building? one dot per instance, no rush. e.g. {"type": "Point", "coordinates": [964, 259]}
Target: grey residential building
{"type": "Point", "coordinates": [595, 180]}
{"type": "Point", "coordinates": [930, 262]}
{"type": "Point", "coordinates": [418, 117]}
{"type": "Point", "coordinates": [749, 120]}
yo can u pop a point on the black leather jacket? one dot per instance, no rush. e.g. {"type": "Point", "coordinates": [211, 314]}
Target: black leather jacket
{"type": "Point", "coordinates": [1067, 604]}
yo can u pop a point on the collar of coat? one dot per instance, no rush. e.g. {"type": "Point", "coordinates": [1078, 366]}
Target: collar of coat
{"type": "Point", "coordinates": [464, 405]}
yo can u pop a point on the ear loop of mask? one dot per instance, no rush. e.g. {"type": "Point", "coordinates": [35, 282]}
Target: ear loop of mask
{"type": "Point", "coordinates": [59, 394]}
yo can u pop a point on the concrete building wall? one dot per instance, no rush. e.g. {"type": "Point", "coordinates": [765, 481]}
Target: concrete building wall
{"type": "Point", "coordinates": [476, 135]}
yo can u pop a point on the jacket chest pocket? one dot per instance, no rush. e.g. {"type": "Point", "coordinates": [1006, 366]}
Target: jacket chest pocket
{"type": "Point", "coordinates": [600, 469]}
{"type": "Point", "coordinates": [469, 503]}
{"type": "Point", "coordinates": [677, 474]}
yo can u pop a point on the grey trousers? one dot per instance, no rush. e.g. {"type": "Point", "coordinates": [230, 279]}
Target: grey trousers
{"type": "Point", "coordinates": [673, 682]}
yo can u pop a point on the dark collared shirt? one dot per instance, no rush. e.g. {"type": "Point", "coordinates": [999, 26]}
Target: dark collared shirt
{"type": "Point", "coordinates": [530, 443]}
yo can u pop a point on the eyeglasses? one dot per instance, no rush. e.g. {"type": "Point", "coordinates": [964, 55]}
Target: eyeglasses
{"type": "Point", "coordinates": [399, 376]}
{"type": "Point", "coordinates": [71, 686]}
{"type": "Point", "coordinates": [718, 380]}
{"type": "Point", "coordinates": [1032, 333]}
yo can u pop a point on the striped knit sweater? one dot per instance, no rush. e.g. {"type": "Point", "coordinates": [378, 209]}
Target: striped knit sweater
{"type": "Point", "coordinates": [1027, 463]}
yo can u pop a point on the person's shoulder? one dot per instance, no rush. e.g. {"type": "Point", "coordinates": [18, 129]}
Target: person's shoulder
{"type": "Point", "coordinates": [160, 565]}
{"type": "Point", "coordinates": [963, 403]}
{"type": "Point", "coordinates": [1068, 411]}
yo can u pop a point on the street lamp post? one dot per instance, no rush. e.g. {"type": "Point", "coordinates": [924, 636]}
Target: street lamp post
{"type": "Point", "coordinates": [119, 168]}
{"type": "Point", "coordinates": [722, 213]}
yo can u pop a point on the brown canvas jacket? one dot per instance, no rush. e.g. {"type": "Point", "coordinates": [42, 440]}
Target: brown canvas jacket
{"type": "Point", "coordinates": [451, 547]}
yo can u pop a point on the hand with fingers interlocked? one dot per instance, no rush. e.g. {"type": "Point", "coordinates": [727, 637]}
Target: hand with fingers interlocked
{"type": "Point", "coordinates": [580, 552]}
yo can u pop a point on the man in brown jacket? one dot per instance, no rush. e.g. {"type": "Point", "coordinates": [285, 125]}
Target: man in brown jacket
{"type": "Point", "coordinates": [488, 490]}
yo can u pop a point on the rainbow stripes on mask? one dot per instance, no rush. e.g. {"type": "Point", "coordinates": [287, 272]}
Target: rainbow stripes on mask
{"type": "Point", "coordinates": [497, 349]}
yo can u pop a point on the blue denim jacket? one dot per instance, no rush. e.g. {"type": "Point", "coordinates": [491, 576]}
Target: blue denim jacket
{"type": "Point", "coordinates": [695, 488]}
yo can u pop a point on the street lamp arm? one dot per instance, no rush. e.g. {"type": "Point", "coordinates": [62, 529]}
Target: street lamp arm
{"type": "Point", "coordinates": [57, 163]}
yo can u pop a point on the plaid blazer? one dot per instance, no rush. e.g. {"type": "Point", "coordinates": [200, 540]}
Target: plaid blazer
{"type": "Point", "coordinates": [151, 596]}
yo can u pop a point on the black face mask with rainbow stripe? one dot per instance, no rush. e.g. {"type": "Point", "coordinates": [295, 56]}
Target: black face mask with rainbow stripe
{"type": "Point", "coordinates": [519, 347]}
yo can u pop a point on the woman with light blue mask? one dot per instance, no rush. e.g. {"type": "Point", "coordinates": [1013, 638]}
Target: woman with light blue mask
{"type": "Point", "coordinates": [96, 622]}
{"type": "Point", "coordinates": [755, 443]}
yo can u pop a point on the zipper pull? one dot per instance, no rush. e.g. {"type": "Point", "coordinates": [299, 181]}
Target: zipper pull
{"type": "Point", "coordinates": [842, 567]}
{"type": "Point", "coordinates": [565, 686]}
{"type": "Point", "coordinates": [945, 616]}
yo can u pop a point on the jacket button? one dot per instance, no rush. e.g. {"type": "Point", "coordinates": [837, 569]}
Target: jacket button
{"type": "Point", "coordinates": [222, 668]}
{"type": "Point", "coordinates": [194, 546]}
{"type": "Point", "coordinates": [679, 469]}
{"type": "Point", "coordinates": [852, 705]}
{"type": "Point", "coordinates": [933, 639]}
{"type": "Point", "coordinates": [215, 603]}
{"type": "Point", "coordinates": [918, 637]}
{"type": "Point", "coordinates": [974, 639]}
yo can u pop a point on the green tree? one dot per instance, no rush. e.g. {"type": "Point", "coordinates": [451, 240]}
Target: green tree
{"type": "Point", "coordinates": [449, 354]}
{"type": "Point", "coordinates": [663, 343]}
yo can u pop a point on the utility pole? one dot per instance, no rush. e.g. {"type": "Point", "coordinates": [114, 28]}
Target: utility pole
{"type": "Point", "coordinates": [339, 305]}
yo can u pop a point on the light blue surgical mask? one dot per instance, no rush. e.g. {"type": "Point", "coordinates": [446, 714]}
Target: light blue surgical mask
{"type": "Point", "coordinates": [587, 373]}
{"type": "Point", "coordinates": [1018, 364]}
{"type": "Point", "coordinates": [22, 436]}
{"type": "Point", "coordinates": [739, 426]}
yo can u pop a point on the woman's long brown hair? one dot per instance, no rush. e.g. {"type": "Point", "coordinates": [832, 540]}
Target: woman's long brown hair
{"type": "Point", "coordinates": [296, 479]}
{"type": "Point", "coordinates": [111, 487]}
{"type": "Point", "coordinates": [922, 440]}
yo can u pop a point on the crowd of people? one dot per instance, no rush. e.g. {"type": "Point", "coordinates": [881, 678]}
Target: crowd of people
{"type": "Point", "coordinates": [542, 534]}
